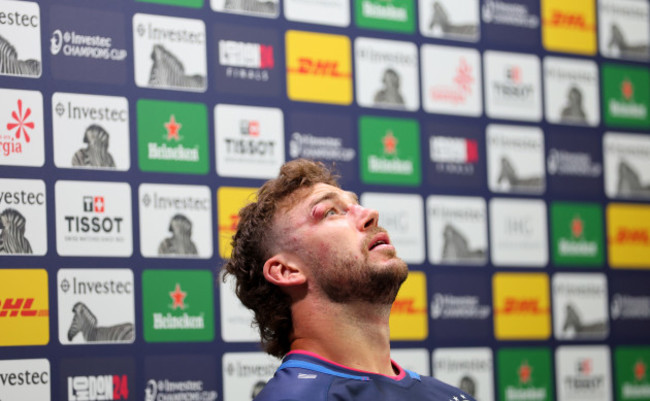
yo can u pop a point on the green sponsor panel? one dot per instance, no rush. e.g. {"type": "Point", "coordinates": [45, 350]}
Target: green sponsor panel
{"type": "Point", "coordinates": [525, 374]}
{"type": "Point", "coordinates": [178, 305]}
{"type": "Point", "coordinates": [577, 234]}
{"type": "Point", "coordinates": [386, 15]}
{"type": "Point", "coordinates": [172, 137]}
{"type": "Point", "coordinates": [626, 96]}
{"type": "Point", "coordinates": [182, 3]}
{"type": "Point", "coordinates": [390, 151]}
{"type": "Point", "coordinates": [631, 371]}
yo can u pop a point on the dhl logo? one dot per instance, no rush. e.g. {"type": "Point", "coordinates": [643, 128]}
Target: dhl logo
{"type": "Point", "coordinates": [522, 306]}
{"type": "Point", "coordinates": [406, 306]}
{"type": "Point", "coordinates": [308, 66]}
{"type": "Point", "coordinates": [631, 236]}
{"type": "Point", "coordinates": [12, 307]}
{"type": "Point", "coordinates": [234, 221]}
{"type": "Point", "coordinates": [567, 20]}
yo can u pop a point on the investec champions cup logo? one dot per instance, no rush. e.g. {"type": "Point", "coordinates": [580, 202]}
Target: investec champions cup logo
{"type": "Point", "coordinates": [169, 53]}
{"type": "Point", "coordinates": [409, 318]}
{"type": "Point", "coordinates": [93, 218]}
{"type": "Point", "coordinates": [20, 39]}
{"type": "Point", "coordinates": [521, 306]}
{"type": "Point", "coordinates": [172, 137]}
{"type": "Point", "coordinates": [524, 374]}
{"type": "Point", "coordinates": [22, 141]}
{"type": "Point", "coordinates": [178, 305]}
{"type": "Point", "coordinates": [24, 309]}
{"type": "Point", "coordinates": [390, 152]}
{"type": "Point", "coordinates": [319, 67]}
{"type": "Point", "coordinates": [569, 26]}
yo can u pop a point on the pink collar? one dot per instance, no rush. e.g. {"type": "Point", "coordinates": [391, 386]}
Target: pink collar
{"type": "Point", "coordinates": [400, 376]}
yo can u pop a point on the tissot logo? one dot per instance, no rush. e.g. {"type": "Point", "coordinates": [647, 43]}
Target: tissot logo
{"type": "Point", "coordinates": [249, 141]}
{"type": "Point", "coordinates": [20, 39]}
{"type": "Point", "coordinates": [569, 26]}
{"type": "Point", "coordinates": [470, 369]}
{"type": "Point", "coordinates": [93, 213]}
{"type": "Point", "coordinates": [524, 374]}
{"type": "Point", "coordinates": [624, 30]}
{"type": "Point", "coordinates": [88, 51]}
{"type": "Point", "coordinates": [408, 318]}
{"type": "Point", "coordinates": [21, 129]}
{"type": "Point", "coordinates": [583, 372]}
{"type": "Point", "coordinates": [246, 373]}
{"type": "Point", "coordinates": [387, 74]}
{"type": "Point", "coordinates": [627, 165]}
{"type": "Point", "coordinates": [169, 53]}
{"type": "Point", "coordinates": [402, 217]}
{"type": "Point", "coordinates": [25, 379]}
{"type": "Point", "coordinates": [24, 310]}
{"type": "Point", "coordinates": [513, 86]}
{"type": "Point", "coordinates": [173, 225]}
{"type": "Point", "coordinates": [96, 306]}
{"type": "Point", "coordinates": [452, 86]}
{"type": "Point", "coordinates": [22, 210]}
{"type": "Point", "coordinates": [580, 306]}
{"type": "Point", "coordinates": [448, 19]}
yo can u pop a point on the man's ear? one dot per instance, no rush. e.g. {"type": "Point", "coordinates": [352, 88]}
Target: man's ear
{"type": "Point", "coordinates": [283, 270]}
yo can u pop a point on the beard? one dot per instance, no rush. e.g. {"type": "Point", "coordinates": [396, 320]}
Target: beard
{"type": "Point", "coordinates": [345, 280]}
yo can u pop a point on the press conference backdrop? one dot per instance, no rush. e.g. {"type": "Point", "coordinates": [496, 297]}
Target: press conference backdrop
{"type": "Point", "coordinates": [504, 142]}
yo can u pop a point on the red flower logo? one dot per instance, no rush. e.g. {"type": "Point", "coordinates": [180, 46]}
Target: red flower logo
{"type": "Point", "coordinates": [21, 124]}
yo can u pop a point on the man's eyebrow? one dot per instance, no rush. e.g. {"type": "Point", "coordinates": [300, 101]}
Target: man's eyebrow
{"type": "Point", "coordinates": [333, 195]}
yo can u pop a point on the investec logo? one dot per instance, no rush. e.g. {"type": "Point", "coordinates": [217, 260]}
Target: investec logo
{"type": "Point", "coordinates": [73, 44]}
{"type": "Point", "coordinates": [21, 39]}
{"type": "Point", "coordinates": [25, 379]}
{"type": "Point", "coordinates": [93, 218]}
{"type": "Point", "coordinates": [21, 132]}
{"type": "Point", "coordinates": [96, 388]}
{"type": "Point", "coordinates": [246, 60]}
{"type": "Point", "coordinates": [22, 217]}
{"type": "Point", "coordinates": [319, 147]}
{"type": "Point", "coordinates": [470, 369]}
{"type": "Point", "coordinates": [580, 306]}
{"type": "Point", "coordinates": [627, 165]}
{"type": "Point", "coordinates": [245, 373]}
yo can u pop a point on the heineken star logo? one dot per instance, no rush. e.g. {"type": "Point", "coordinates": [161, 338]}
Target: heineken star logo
{"type": "Point", "coordinates": [639, 370]}
{"type": "Point", "coordinates": [390, 143]}
{"type": "Point", "coordinates": [172, 128]}
{"type": "Point", "coordinates": [525, 372]}
{"type": "Point", "coordinates": [577, 227]}
{"type": "Point", "coordinates": [627, 89]}
{"type": "Point", "coordinates": [178, 297]}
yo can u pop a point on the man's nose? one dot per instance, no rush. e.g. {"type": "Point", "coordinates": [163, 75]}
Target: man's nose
{"type": "Point", "coordinates": [365, 218]}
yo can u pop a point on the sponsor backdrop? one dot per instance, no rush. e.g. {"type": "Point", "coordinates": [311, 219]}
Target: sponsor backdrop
{"type": "Point", "coordinates": [505, 143]}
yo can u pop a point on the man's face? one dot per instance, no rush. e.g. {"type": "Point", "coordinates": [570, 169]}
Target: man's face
{"type": "Point", "coordinates": [342, 250]}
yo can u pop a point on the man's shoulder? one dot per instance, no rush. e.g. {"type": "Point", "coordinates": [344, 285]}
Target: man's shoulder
{"type": "Point", "coordinates": [296, 384]}
{"type": "Point", "coordinates": [439, 390]}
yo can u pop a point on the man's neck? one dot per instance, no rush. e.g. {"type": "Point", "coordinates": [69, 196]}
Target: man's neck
{"type": "Point", "coordinates": [354, 335]}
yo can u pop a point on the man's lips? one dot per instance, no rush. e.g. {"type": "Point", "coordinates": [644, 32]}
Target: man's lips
{"type": "Point", "coordinates": [379, 240]}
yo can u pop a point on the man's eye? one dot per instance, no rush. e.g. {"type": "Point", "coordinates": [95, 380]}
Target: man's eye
{"type": "Point", "coordinates": [331, 212]}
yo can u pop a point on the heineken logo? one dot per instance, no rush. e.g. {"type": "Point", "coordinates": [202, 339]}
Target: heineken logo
{"type": "Point", "coordinates": [390, 143]}
{"type": "Point", "coordinates": [577, 227]}
{"type": "Point", "coordinates": [640, 369]}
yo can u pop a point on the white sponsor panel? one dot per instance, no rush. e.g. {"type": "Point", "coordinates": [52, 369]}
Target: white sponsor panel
{"type": "Point", "coordinates": [469, 369]}
{"type": "Point", "coordinates": [96, 306]}
{"type": "Point", "coordinates": [583, 373]}
{"type": "Point", "coordinates": [515, 159]}
{"type": "Point", "coordinates": [624, 29]}
{"type": "Point", "coordinates": [627, 165]}
{"type": "Point", "coordinates": [22, 136]}
{"type": "Point", "coordinates": [23, 222]}
{"type": "Point", "coordinates": [257, 8]}
{"type": "Point", "coordinates": [571, 91]}
{"type": "Point", "coordinates": [451, 80]}
{"type": "Point", "coordinates": [236, 319]}
{"type": "Point", "coordinates": [414, 359]}
{"type": "Point", "coordinates": [513, 88]}
{"type": "Point", "coordinates": [169, 53]}
{"type": "Point", "coordinates": [93, 218]}
{"type": "Point", "coordinates": [25, 379]}
{"type": "Point", "coordinates": [246, 373]}
{"type": "Point", "coordinates": [401, 215]}
{"type": "Point", "coordinates": [249, 141]}
{"type": "Point", "coordinates": [90, 131]}
{"type": "Point", "coordinates": [518, 232]}
{"type": "Point", "coordinates": [20, 35]}
{"type": "Point", "coordinates": [515, 14]}
{"type": "Point", "coordinates": [457, 230]}
{"type": "Point", "coordinates": [450, 19]}
{"type": "Point", "coordinates": [175, 221]}
{"type": "Point", "coordinates": [580, 306]}
{"type": "Point", "coordinates": [325, 12]}
{"type": "Point", "coordinates": [386, 74]}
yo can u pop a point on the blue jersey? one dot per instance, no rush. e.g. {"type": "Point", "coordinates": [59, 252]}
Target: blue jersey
{"type": "Point", "coordinates": [304, 376]}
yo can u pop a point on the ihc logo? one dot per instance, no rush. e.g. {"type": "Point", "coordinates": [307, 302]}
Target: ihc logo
{"type": "Point", "coordinates": [12, 307]}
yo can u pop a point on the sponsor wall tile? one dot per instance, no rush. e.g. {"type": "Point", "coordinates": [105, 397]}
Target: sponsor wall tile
{"type": "Point", "coordinates": [631, 365]}
{"type": "Point", "coordinates": [408, 318]}
{"type": "Point", "coordinates": [626, 96]}
{"type": "Point", "coordinates": [521, 306]}
{"type": "Point", "coordinates": [569, 26]}
{"type": "Point", "coordinates": [393, 15]}
{"type": "Point", "coordinates": [469, 369]}
{"type": "Point", "coordinates": [195, 380]}
{"type": "Point", "coordinates": [22, 133]}
{"type": "Point", "coordinates": [23, 209]}
{"type": "Point", "coordinates": [236, 319]}
{"type": "Point", "coordinates": [583, 373]}
{"type": "Point", "coordinates": [266, 9]}
{"type": "Point", "coordinates": [624, 29]}
{"type": "Point", "coordinates": [331, 12]}
{"type": "Point", "coordinates": [25, 379]}
{"type": "Point", "coordinates": [450, 19]}
{"type": "Point", "coordinates": [574, 162]}
{"type": "Point", "coordinates": [25, 312]}
{"type": "Point", "coordinates": [183, 3]}
{"type": "Point", "coordinates": [513, 23]}
{"type": "Point", "coordinates": [525, 374]}
{"type": "Point", "coordinates": [246, 373]}
{"type": "Point", "coordinates": [627, 165]}
{"type": "Point", "coordinates": [85, 379]}
{"type": "Point", "coordinates": [577, 233]}
{"type": "Point", "coordinates": [628, 230]}
{"type": "Point", "coordinates": [629, 308]}
{"type": "Point", "coordinates": [20, 29]}
{"type": "Point", "coordinates": [580, 307]}
{"type": "Point", "coordinates": [229, 201]}
{"type": "Point", "coordinates": [413, 359]}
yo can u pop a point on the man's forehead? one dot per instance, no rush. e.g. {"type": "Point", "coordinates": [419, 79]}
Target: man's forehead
{"type": "Point", "coordinates": [307, 197]}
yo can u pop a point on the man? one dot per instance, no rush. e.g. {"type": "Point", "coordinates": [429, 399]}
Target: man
{"type": "Point", "coordinates": [320, 276]}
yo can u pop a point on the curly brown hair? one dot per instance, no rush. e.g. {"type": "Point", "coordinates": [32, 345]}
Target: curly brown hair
{"type": "Point", "coordinates": [253, 243]}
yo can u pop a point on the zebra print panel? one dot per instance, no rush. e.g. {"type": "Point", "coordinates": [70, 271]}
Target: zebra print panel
{"type": "Point", "coordinates": [10, 65]}
{"type": "Point", "coordinates": [168, 71]}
